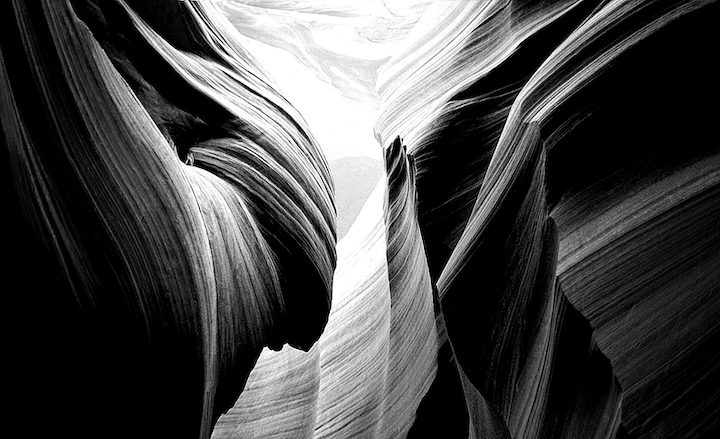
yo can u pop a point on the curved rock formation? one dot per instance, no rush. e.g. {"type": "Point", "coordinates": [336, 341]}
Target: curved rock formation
{"type": "Point", "coordinates": [541, 260]}
{"type": "Point", "coordinates": [591, 116]}
{"type": "Point", "coordinates": [377, 356]}
{"type": "Point", "coordinates": [159, 281]}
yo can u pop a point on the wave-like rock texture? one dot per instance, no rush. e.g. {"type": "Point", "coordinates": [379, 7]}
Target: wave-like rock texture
{"type": "Point", "coordinates": [168, 216]}
{"type": "Point", "coordinates": [541, 260]}
{"type": "Point", "coordinates": [343, 42]}
{"type": "Point", "coordinates": [567, 194]}
{"type": "Point", "coordinates": [377, 356]}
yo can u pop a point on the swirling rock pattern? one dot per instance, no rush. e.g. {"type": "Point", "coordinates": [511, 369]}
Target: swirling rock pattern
{"type": "Point", "coordinates": [560, 294]}
{"type": "Point", "coordinates": [183, 213]}
{"type": "Point", "coordinates": [540, 260]}
{"type": "Point", "coordinates": [377, 356]}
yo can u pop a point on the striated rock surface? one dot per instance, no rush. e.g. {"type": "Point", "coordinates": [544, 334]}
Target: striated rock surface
{"type": "Point", "coordinates": [566, 180]}
{"type": "Point", "coordinates": [377, 356]}
{"type": "Point", "coordinates": [171, 216]}
{"type": "Point", "coordinates": [540, 259]}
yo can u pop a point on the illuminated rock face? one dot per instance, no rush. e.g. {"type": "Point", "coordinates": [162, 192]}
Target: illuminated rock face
{"type": "Point", "coordinates": [171, 216]}
{"type": "Point", "coordinates": [541, 259]}
{"type": "Point", "coordinates": [566, 193]}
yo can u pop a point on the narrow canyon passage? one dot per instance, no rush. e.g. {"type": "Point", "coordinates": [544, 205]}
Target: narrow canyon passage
{"type": "Point", "coordinates": [377, 219]}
